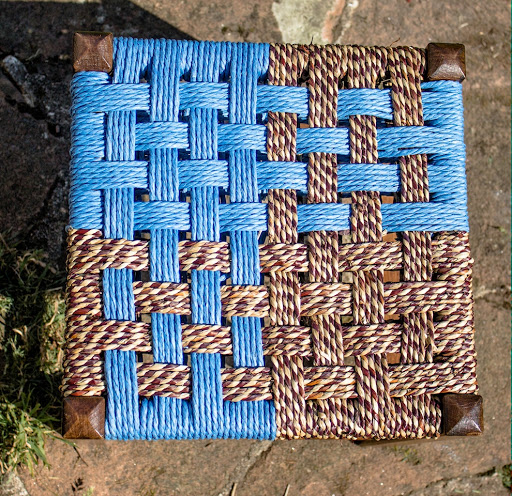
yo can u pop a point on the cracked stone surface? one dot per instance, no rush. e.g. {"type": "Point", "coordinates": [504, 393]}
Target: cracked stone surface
{"type": "Point", "coordinates": [34, 160]}
{"type": "Point", "coordinates": [487, 483]}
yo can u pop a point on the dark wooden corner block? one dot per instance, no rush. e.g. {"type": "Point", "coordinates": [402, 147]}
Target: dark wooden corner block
{"type": "Point", "coordinates": [462, 414]}
{"type": "Point", "coordinates": [84, 417]}
{"type": "Point", "coordinates": [446, 61]}
{"type": "Point", "coordinates": [93, 51]}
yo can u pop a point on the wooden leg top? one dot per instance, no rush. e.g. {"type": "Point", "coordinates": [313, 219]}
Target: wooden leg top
{"type": "Point", "coordinates": [93, 51]}
{"type": "Point", "coordinates": [446, 61]}
{"type": "Point", "coordinates": [84, 417]}
{"type": "Point", "coordinates": [462, 414]}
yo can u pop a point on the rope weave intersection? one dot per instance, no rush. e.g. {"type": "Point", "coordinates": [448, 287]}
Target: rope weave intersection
{"type": "Point", "coordinates": [268, 241]}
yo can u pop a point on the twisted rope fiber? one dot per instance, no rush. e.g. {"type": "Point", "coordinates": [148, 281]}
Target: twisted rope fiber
{"type": "Point", "coordinates": [358, 340]}
{"type": "Point", "coordinates": [418, 327]}
{"type": "Point", "coordinates": [286, 63]}
{"type": "Point", "coordinates": [326, 68]}
{"type": "Point", "coordinates": [373, 413]}
{"type": "Point", "coordinates": [445, 218]}
{"type": "Point", "coordinates": [302, 297]}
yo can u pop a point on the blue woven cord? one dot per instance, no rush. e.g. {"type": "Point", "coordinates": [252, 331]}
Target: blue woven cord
{"type": "Point", "coordinates": [441, 138]}
{"type": "Point", "coordinates": [170, 415]}
{"type": "Point", "coordinates": [437, 97]}
{"type": "Point", "coordinates": [122, 419]}
{"type": "Point", "coordinates": [248, 63]}
{"type": "Point", "coordinates": [208, 63]}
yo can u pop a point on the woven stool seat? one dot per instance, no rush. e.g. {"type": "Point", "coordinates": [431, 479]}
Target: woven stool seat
{"type": "Point", "coordinates": [266, 241]}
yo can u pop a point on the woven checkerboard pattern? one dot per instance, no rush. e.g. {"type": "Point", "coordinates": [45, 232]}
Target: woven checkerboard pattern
{"type": "Point", "coordinates": [268, 241]}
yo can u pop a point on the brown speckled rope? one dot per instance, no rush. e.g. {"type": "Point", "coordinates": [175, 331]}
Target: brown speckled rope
{"type": "Point", "coordinates": [285, 66]}
{"type": "Point", "coordinates": [449, 295]}
{"type": "Point", "coordinates": [419, 415]}
{"type": "Point", "coordinates": [374, 410]}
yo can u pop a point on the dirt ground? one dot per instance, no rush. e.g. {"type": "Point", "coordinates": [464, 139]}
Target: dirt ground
{"type": "Point", "coordinates": [34, 138]}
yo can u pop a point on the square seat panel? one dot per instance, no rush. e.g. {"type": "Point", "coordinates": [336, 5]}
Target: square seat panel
{"type": "Point", "coordinates": [268, 241]}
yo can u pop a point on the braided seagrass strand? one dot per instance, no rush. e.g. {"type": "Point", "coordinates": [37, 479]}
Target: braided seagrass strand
{"type": "Point", "coordinates": [285, 65]}
{"type": "Point", "coordinates": [417, 336]}
{"type": "Point", "coordinates": [326, 68]}
{"type": "Point", "coordinates": [230, 140]}
{"type": "Point", "coordinates": [374, 411]}
{"type": "Point", "coordinates": [453, 336]}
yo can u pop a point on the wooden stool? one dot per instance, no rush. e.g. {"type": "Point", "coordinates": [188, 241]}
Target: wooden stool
{"type": "Point", "coordinates": [268, 241]}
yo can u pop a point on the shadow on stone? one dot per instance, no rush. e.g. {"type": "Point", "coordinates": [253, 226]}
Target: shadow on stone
{"type": "Point", "coordinates": [35, 61]}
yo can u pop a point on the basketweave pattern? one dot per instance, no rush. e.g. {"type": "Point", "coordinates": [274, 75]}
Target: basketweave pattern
{"type": "Point", "coordinates": [268, 241]}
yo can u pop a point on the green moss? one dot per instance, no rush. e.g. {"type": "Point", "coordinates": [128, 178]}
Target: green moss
{"type": "Point", "coordinates": [31, 354]}
{"type": "Point", "coordinates": [408, 455]}
{"type": "Point", "coordinates": [506, 476]}
{"type": "Point", "coordinates": [22, 434]}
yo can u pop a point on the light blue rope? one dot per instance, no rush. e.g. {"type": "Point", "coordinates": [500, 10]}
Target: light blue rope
{"type": "Point", "coordinates": [129, 135]}
{"type": "Point", "coordinates": [163, 417]}
{"type": "Point", "coordinates": [208, 63]}
{"type": "Point", "coordinates": [445, 175]}
{"type": "Point", "coordinates": [441, 138]}
{"type": "Point", "coordinates": [393, 142]}
{"type": "Point", "coordinates": [437, 97]}
{"type": "Point", "coordinates": [248, 63]}
{"type": "Point", "coordinates": [435, 217]}
{"type": "Point", "coordinates": [122, 419]}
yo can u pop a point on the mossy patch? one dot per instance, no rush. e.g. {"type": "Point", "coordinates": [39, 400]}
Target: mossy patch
{"type": "Point", "coordinates": [32, 333]}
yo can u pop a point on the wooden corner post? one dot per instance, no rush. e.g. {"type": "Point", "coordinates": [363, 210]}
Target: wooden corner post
{"type": "Point", "coordinates": [446, 61]}
{"type": "Point", "coordinates": [84, 417]}
{"type": "Point", "coordinates": [462, 414]}
{"type": "Point", "coordinates": [93, 51]}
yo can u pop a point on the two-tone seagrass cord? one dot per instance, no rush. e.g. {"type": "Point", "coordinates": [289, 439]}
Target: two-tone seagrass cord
{"type": "Point", "coordinates": [268, 241]}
